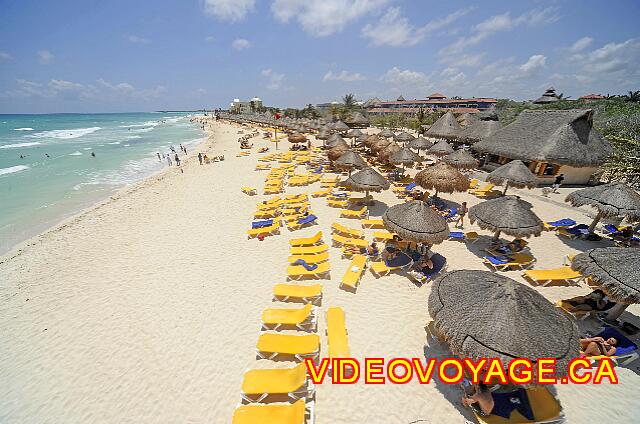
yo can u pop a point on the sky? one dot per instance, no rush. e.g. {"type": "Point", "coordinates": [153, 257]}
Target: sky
{"type": "Point", "coordinates": [117, 56]}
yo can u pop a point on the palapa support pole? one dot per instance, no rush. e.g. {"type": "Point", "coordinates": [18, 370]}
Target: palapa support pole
{"type": "Point", "coordinates": [592, 227]}
{"type": "Point", "coordinates": [496, 237]}
{"type": "Point", "coordinates": [275, 135]}
{"type": "Point", "coordinates": [506, 186]}
{"type": "Point", "coordinates": [615, 312]}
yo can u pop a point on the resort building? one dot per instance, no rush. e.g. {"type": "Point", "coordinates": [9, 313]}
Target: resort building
{"type": "Point", "coordinates": [435, 101]}
{"type": "Point", "coordinates": [548, 96]}
{"type": "Point", "coordinates": [253, 105]}
{"type": "Point", "coordinates": [591, 97]}
{"type": "Point", "coordinates": [549, 142]}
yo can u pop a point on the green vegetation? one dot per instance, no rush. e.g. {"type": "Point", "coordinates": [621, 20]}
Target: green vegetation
{"type": "Point", "coordinates": [616, 117]}
{"type": "Point", "coordinates": [399, 120]}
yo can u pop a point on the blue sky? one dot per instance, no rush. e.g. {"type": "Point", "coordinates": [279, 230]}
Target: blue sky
{"type": "Point", "coordinates": [96, 56]}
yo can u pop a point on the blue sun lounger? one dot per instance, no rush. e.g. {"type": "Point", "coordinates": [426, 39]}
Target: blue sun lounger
{"type": "Point", "coordinates": [262, 223]}
{"type": "Point", "coordinates": [565, 222]}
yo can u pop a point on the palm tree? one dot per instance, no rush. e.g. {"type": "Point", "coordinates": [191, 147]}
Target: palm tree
{"type": "Point", "coordinates": [349, 101]}
{"type": "Point", "coordinates": [633, 96]}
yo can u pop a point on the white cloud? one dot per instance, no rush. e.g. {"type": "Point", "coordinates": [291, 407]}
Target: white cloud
{"type": "Point", "coordinates": [612, 61]}
{"type": "Point", "coordinates": [240, 44]}
{"type": "Point", "coordinates": [534, 64]}
{"type": "Point", "coordinates": [229, 10]}
{"type": "Point", "coordinates": [581, 44]}
{"type": "Point", "coordinates": [321, 18]}
{"type": "Point", "coordinates": [5, 56]}
{"type": "Point", "coordinates": [45, 56]}
{"type": "Point", "coordinates": [469, 60]}
{"type": "Point", "coordinates": [343, 76]}
{"type": "Point", "coordinates": [395, 30]}
{"type": "Point", "coordinates": [411, 82]}
{"type": "Point", "coordinates": [134, 39]}
{"type": "Point", "coordinates": [209, 39]}
{"type": "Point", "coordinates": [275, 79]}
{"type": "Point", "coordinates": [69, 90]}
{"type": "Point", "coordinates": [499, 23]}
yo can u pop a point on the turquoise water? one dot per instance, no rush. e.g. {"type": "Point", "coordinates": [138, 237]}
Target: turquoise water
{"type": "Point", "coordinates": [57, 175]}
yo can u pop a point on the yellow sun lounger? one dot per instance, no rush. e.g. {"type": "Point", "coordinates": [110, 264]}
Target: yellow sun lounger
{"type": "Point", "coordinates": [346, 241]}
{"type": "Point", "coordinates": [307, 241]}
{"type": "Point", "coordinates": [321, 193]}
{"type": "Point", "coordinates": [251, 191]}
{"type": "Point", "coordinates": [298, 272]}
{"type": "Point", "coordinates": [276, 318]}
{"type": "Point", "coordinates": [545, 277]}
{"type": "Point", "coordinates": [372, 223]}
{"type": "Point", "coordinates": [382, 235]}
{"type": "Point", "coordinates": [354, 272]}
{"type": "Point", "coordinates": [307, 294]}
{"type": "Point", "coordinates": [308, 250]}
{"type": "Point", "coordinates": [473, 184]}
{"type": "Point", "coordinates": [310, 258]}
{"type": "Point", "coordinates": [359, 214]}
{"type": "Point", "coordinates": [277, 413]}
{"type": "Point", "coordinates": [351, 232]}
{"type": "Point", "coordinates": [577, 315]}
{"type": "Point", "coordinates": [483, 191]}
{"type": "Point", "coordinates": [257, 384]}
{"type": "Point", "coordinates": [381, 269]}
{"type": "Point", "coordinates": [263, 214]}
{"type": "Point", "coordinates": [267, 231]}
{"type": "Point", "coordinates": [337, 203]}
{"type": "Point", "coordinates": [337, 337]}
{"type": "Point", "coordinates": [270, 345]}
{"type": "Point", "coordinates": [545, 408]}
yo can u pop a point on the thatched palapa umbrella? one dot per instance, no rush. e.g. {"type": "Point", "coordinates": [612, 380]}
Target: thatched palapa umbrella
{"type": "Point", "coordinates": [611, 200]}
{"type": "Point", "coordinates": [340, 126]}
{"type": "Point", "coordinates": [350, 160]}
{"type": "Point", "coordinates": [404, 138]}
{"type": "Point", "coordinates": [323, 134]}
{"type": "Point", "coordinates": [386, 133]}
{"type": "Point", "coordinates": [616, 271]}
{"type": "Point", "coordinates": [358, 120]}
{"type": "Point", "coordinates": [336, 140]}
{"type": "Point", "coordinates": [379, 145]}
{"type": "Point", "coordinates": [367, 180]}
{"type": "Point", "coordinates": [296, 137]}
{"type": "Point", "coordinates": [461, 159]}
{"type": "Point", "coordinates": [336, 152]}
{"type": "Point", "coordinates": [442, 177]}
{"type": "Point", "coordinates": [482, 314]}
{"type": "Point", "coordinates": [405, 157]}
{"type": "Point", "coordinates": [420, 143]}
{"type": "Point", "coordinates": [515, 174]}
{"type": "Point", "coordinates": [509, 214]}
{"type": "Point", "coordinates": [441, 148]}
{"type": "Point", "coordinates": [445, 127]}
{"type": "Point", "coordinates": [415, 221]}
{"type": "Point", "coordinates": [384, 155]}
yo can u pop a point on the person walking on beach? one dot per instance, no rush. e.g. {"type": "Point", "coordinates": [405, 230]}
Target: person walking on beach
{"type": "Point", "coordinates": [184, 149]}
{"type": "Point", "coordinates": [556, 184]}
{"type": "Point", "coordinates": [169, 159]}
{"type": "Point", "coordinates": [200, 158]}
{"type": "Point", "coordinates": [177, 159]}
{"type": "Point", "coordinates": [181, 148]}
{"type": "Point", "coordinates": [159, 158]}
{"type": "Point", "coordinates": [462, 211]}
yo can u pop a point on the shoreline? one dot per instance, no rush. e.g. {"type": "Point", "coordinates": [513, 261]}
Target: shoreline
{"type": "Point", "coordinates": [98, 201]}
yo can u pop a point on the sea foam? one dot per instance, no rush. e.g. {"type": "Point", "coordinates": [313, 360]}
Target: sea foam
{"type": "Point", "coordinates": [23, 129]}
{"type": "Point", "coordinates": [12, 146]}
{"type": "Point", "coordinates": [65, 134]}
{"type": "Point", "coordinates": [13, 169]}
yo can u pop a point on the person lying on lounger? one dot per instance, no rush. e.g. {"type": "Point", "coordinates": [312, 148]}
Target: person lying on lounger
{"type": "Point", "coordinates": [481, 399]}
{"type": "Point", "coordinates": [597, 300]}
{"type": "Point", "coordinates": [514, 247]}
{"type": "Point", "coordinates": [596, 346]}
{"type": "Point", "coordinates": [424, 265]}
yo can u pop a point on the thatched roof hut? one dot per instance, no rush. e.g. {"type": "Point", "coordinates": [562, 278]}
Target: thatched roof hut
{"type": "Point", "coordinates": [480, 130]}
{"type": "Point", "coordinates": [367, 180]}
{"type": "Point", "coordinates": [323, 134]}
{"type": "Point", "coordinates": [336, 140]}
{"type": "Point", "coordinates": [490, 114]}
{"type": "Point", "coordinates": [417, 222]}
{"type": "Point", "coordinates": [515, 174]}
{"type": "Point", "coordinates": [441, 148]}
{"type": "Point", "coordinates": [371, 139]}
{"type": "Point", "coordinates": [508, 214]}
{"type": "Point", "coordinates": [614, 269]}
{"type": "Point", "coordinates": [445, 127]}
{"type": "Point", "coordinates": [564, 137]}
{"type": "Point", "coordinates": [405, 157]}
{"type": "Point", "coordinates": [379, 145]}
{"type": "Point", "coordinates": [340, 126]}
{"type": "Point", "coordinates": [467, 119]}
{"type": "Point", "coordinates": [442, 177]}
{"type": "Point", "coordinates": [611, 200]}
{"type": "Point", "coordinates": [549, 96]}
{"type": "Point", "coordinates": [355, 133]}
{"type": "Point", "coordinates": [350, 160]}
{"type": "Point", "coordinates": [296, 137]}
{"type": "Point", "coordinates": [482, 314]}
{"type": "Point", "coordinates": [461, 159]}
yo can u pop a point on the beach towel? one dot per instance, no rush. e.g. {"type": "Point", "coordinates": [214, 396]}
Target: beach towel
{"type": "Point", "coordinates": [610, 228]}
{"type": "Point", "coordinates": [565, 222]}
{"type": "Point", "coordinates": [318, 171]}
{"type": "Point", "coordinates": [506, 403]}
{"type": "Point", "coordinates": [263, 223]}
{"type": "Point", "coordinates": [456, 235]}
{"type": "Point", "coordinates": [339, 194]}
{"type": "Point", "coordinates": [453, 212]}
{"type": "Point", "coordinates": [497, 260]}
{"type": "Point", "coordinates": [308, 267]}
{"type": "Point", "coordinates": [307, 219]}
{"type": "Point", "coordinates": [578, 229]}
{"type": "Point", "coordinates": [410, 186]}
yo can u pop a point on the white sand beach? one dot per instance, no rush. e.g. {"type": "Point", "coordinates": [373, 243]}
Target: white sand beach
{"type": "Point", "coordinates": [147, 307]}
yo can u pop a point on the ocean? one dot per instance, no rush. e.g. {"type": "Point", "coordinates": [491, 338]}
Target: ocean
{"type": "Point", "coordinates": [48, 173]}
